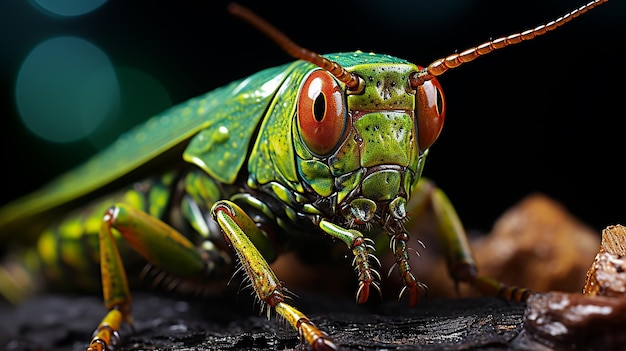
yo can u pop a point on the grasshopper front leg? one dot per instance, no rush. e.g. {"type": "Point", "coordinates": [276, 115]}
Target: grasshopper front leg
{"type": "Point", "coordinates": [238, 227]}
{"type": "Point", "coordinates": [156, 241]}
{"type": "Point", "coordinates": [360, 247]}
{"type": "Point", "coordinates": [454, 243]}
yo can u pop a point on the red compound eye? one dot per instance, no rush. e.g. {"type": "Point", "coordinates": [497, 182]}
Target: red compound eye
{"type": "Point", "coordinates": [321, 112]}
{"type": "Point", "coordinates": [431, 112]}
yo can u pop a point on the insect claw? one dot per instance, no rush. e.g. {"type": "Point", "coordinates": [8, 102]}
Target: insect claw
{"type": "Point", "coordinates": [413, 293]}
{"type": "Point", "coordinates": [363, 293]}
{"type": "Point", "coordinates": [115, 337]}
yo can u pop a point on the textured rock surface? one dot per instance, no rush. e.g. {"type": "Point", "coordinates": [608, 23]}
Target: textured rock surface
{"type": "Point", "coordinates": [56, 323]}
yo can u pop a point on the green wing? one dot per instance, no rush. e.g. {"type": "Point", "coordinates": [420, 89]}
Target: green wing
{"type": "Point", "coordinates": [220, 125]}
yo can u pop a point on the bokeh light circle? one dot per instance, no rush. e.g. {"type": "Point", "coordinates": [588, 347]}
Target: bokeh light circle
{"type": "Point", "coordinates": [68, 8]}
{"type": "Point", "coordinates": [65, 88]}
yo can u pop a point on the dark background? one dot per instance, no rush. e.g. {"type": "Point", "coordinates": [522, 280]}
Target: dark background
{"type": "Point", "coordinates": [545, 115]}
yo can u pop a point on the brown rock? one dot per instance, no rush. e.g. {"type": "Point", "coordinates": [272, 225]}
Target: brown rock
{"type": "Point", "coordinates": [538, 245]}
{"type": "Point", "coordinates": [594, 320]}
{"type": "Point", "coordinates": [607, 274]}
{"type": "Point", "coordinates": [573, 321]}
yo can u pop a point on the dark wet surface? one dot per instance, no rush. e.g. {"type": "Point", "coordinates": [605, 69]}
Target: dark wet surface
{"type": "Point", "coordinates": [54, 322]}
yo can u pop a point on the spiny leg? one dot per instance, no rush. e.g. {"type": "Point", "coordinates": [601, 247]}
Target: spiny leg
{"type": "Point", "coordinates": [361, 248]}
{"type": "Point", "coordinates": [238, 227]}
{"type": "Point", "coordinates": [159, 243]}
{"type": "Point", "coordinates": [456, 247]}
{"type": "Point", "coordinates": [398, 243]}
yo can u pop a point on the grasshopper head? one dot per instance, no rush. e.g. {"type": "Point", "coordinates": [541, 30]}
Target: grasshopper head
{"type": "Point", "coordinates": [373, 142]}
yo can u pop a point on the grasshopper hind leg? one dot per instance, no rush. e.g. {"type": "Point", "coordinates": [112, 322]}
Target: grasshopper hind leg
{"type": "Point", "coordinates": [455, 245]}
{"type": "Point", "coordinates": [157, 242]}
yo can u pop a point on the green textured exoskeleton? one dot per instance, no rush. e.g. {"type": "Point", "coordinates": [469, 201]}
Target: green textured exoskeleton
{"type": "Point", "coordinates": [327, 145]}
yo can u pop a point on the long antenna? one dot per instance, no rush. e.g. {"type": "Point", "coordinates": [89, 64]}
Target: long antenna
{"type": "Point", "coordinates": [354, 83]}
{"type": "Point", "coordinates": [440, 66]}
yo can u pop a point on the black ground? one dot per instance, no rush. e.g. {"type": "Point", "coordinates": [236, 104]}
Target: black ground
{"type": "Point", "coordinates": [53, 322]}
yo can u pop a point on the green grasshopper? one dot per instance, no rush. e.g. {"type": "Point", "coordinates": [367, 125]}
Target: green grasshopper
{"type": "Point", "coordinates": [327, 145]}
